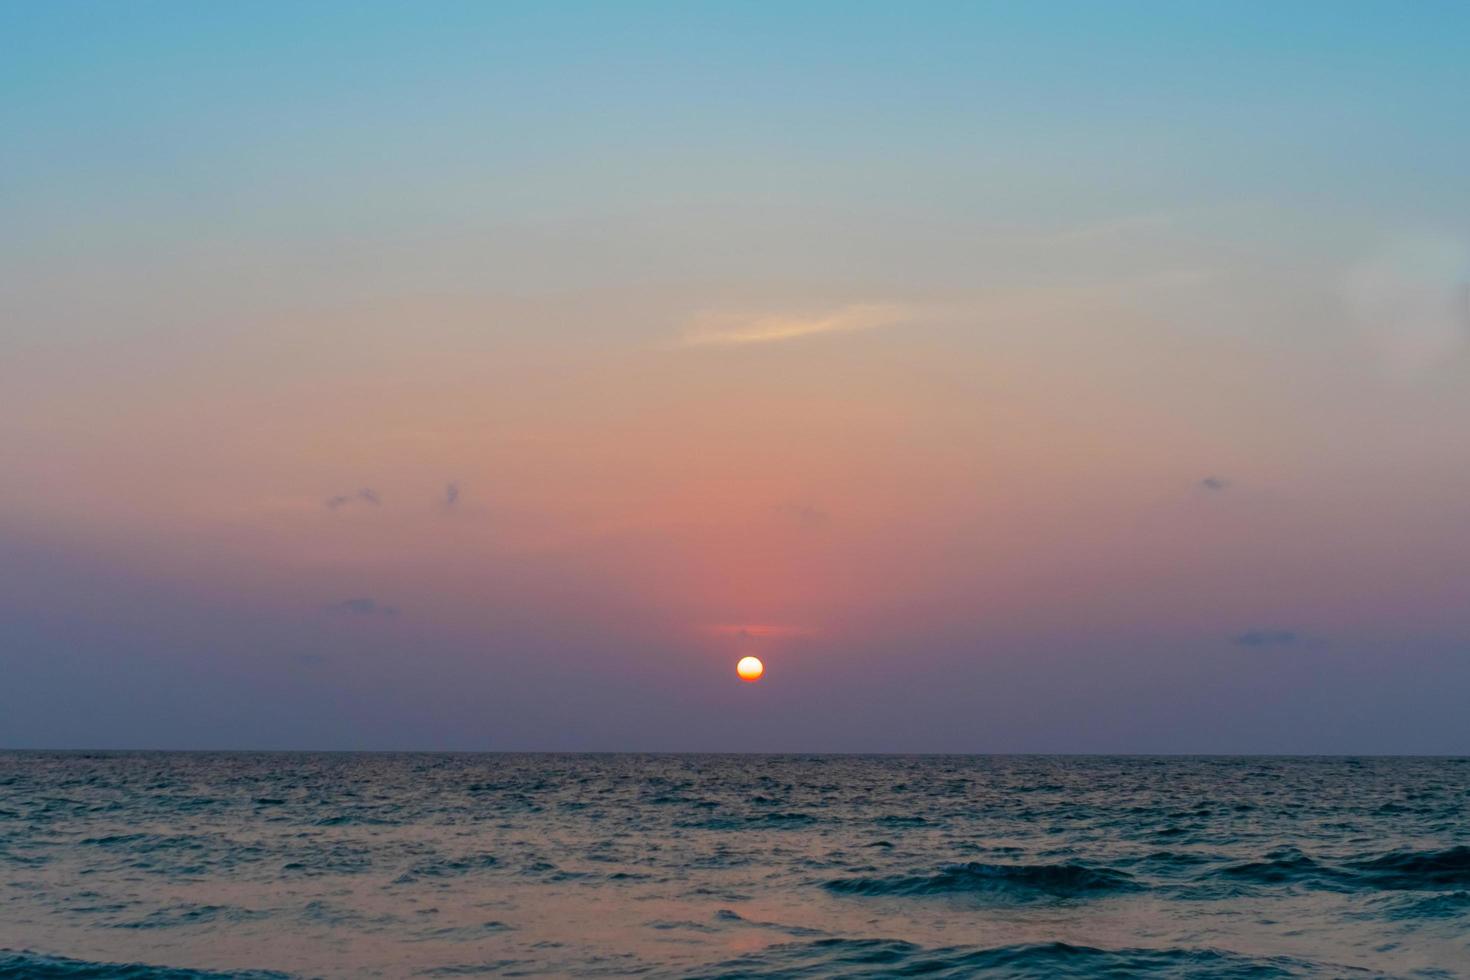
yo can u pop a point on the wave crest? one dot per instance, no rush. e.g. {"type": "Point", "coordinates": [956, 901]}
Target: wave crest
{"type": "Point", "coordinates": [894, 958]}
{"type": "Point", "coordinates": [23, 964]}
{"type": "Point", "coordinates": [1412, 870]}
{"type": "Point", "coordinates": [1020, 881]}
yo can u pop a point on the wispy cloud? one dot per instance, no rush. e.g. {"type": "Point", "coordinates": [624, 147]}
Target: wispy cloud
{"type": "Point", "coordinates": [716, 329]}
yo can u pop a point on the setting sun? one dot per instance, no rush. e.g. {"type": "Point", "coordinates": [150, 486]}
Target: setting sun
{"type": "Point", "coordinates": [750, 668]}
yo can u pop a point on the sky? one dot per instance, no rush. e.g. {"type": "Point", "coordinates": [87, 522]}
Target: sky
{"type": "Point", "coordinates": [1065, 377]}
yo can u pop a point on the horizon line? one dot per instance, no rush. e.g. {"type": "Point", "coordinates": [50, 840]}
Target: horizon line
{"type": "Point", "coordinates": [772, 754]}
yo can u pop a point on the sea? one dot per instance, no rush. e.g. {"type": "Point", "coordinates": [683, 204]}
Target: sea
{"type": "Point", "coordinates": [263, 865]}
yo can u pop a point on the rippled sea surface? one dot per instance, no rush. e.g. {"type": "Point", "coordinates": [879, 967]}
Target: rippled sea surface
{"type": "Point", "coordinates": [731, 866]}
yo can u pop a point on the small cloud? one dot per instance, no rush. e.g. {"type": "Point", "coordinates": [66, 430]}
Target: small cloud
{"type": "Point", "coordinates": [364, 607]}
{"type": "Point", "coordinates": [451, 495]}
{"type": "Point", "coordinates": [366, 495]}
{"type": "Point", "coordinates": [1265, 638]}
{"type": "Point", "coordinates": [1215, 483]}
{"type": "Point", "coordinates": [732, 329]}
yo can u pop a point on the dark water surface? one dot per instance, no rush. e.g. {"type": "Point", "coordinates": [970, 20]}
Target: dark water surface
{"type": "Point", "coordinates": [731, 866]}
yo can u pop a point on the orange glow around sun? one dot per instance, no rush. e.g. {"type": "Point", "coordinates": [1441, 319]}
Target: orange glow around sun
{"type": "Point", "coordinates": [750, 668]}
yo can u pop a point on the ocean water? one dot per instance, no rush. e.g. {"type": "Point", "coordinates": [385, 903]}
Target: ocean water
{"type": "Point", "coordinates": [184, 865]}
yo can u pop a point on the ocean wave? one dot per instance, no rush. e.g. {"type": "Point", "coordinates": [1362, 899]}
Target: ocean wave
{"type": "Point", "coordinates": [190, 914]}
{"type": "Point", "coordinates": [1018, 881]}
{"type": "Point", "coordinates": [731, 917]}
{"type": "Point", "coordinates": [1282, 866]}
{"type": "Point", "coordinates": [22, 965]}
{"type": "Point", "coordinates": [1394, 871]}
{"type": "Point", "coordinates": [901, 820]}
{"type": "Point", "coordinates": [871, 958]}
{"type": "Point", "coordinates": [355, 820]}
{"type": "Point", "coordinates": [782, 820]}
{"type": "Point", "coordinates": [447, 868]}
{"type": "Point", "coordinates": [1172, 861]}
{"type": "Point", "coordinates": [1444, 905]}
{"type": "Point", "coordinates": [460, 934]}
{"type": "Point", "coordinates": [661, 866]}
{"type": "Point", "coordinates": [1416, 870]}
{"type": "Point", "coordinates": [489, 968]}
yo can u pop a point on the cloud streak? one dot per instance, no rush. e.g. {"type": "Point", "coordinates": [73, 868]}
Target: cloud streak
{"type": "Point", "coordinates": [712, 329]}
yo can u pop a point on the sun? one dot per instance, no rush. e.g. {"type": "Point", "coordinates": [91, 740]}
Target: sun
{"type": "Point", "coordinates": [750, 668]}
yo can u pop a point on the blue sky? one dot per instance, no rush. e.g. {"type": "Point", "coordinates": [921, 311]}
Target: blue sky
{"type": "Point", "coordinates": [999, 366]}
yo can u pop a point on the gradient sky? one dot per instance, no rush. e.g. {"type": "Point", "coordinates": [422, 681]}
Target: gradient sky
{"type": "Point", "coordinates": [1009, 377]}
